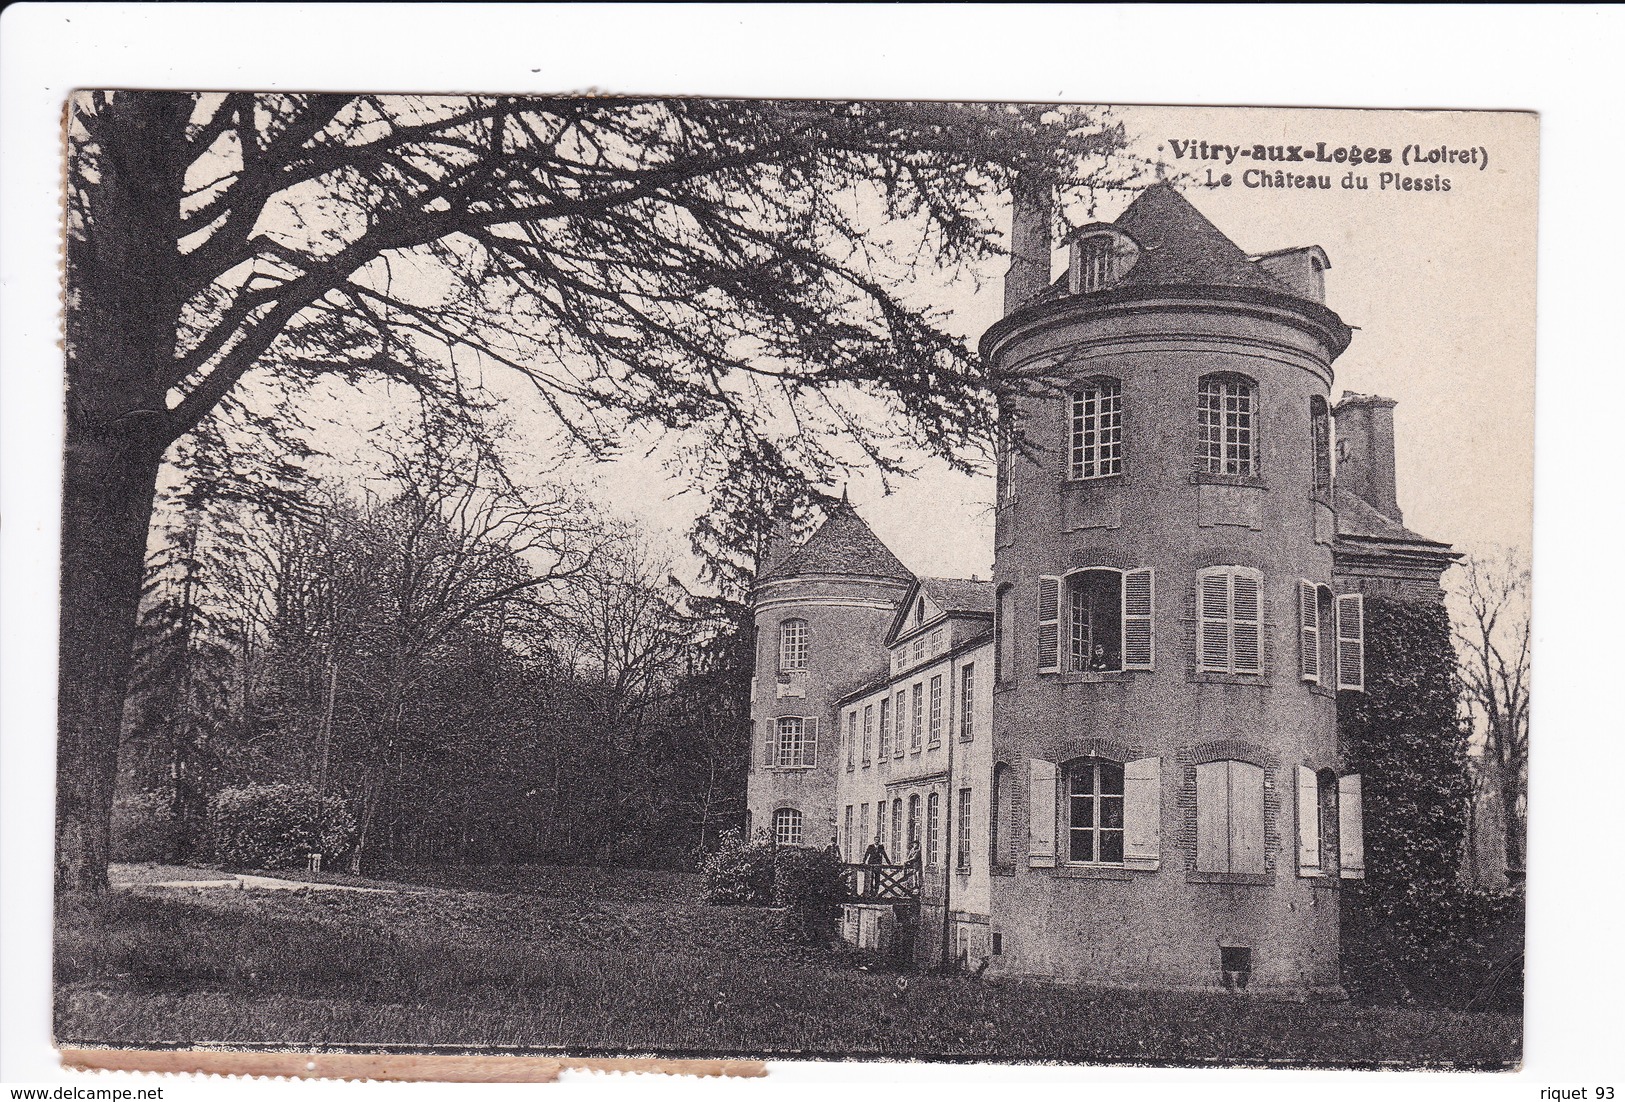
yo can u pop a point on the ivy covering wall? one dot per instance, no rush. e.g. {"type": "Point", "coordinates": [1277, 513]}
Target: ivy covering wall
{"type": "Point", "coordinates": [1411, 930]}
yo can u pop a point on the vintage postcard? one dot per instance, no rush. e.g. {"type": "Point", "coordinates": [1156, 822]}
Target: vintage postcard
{"type": "Point", "coordinates": [697, 579]}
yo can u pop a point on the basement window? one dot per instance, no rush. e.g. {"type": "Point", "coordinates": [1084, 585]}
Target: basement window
{"type": "Point", "coordinates": [1235, 966]}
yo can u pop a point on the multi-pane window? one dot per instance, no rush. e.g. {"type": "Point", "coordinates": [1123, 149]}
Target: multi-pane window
{"type": "Point", "coordinates": [846, 835]}
{"type": "Point", "coordinates": [863, 827]}
{"type": "Point", "coordinates": [852, 740]}
{"type": "Point", "coordinates": [1007, 467]}
{"type": "Point", "coordinates": [936, 709]}
{"type": "Point", "coordinates": [1228, 615]}
{"type": "Point", "coordinates": [963, 862]}
{"type": "Point", "coordinates": [1094, 813]}
{"type": "Point", "coordinates": [913, 821]}
{"type": "Point", "coordinates": [868, 730]}
{"type": "Point", "coordinates": [902, 713]}
{"type": "Point", "coordinates": [1097, 430]}
{"type": "Point", "coordinates": [795, 743]}
{"type": "Point", "coordinates": [787, 826]}
{"type": "Point", "coordinates": [880, 824]}
{"type": "Point", "coordinates": [967, 700]}
{"type": "Point", "coordinates": [917, 719]}
{"type": "Point", "coordinates": [1320, 438]}
{"type": "Point", "coordinates": [793, 645]}
{"type": "Point", "coordinates": [936, 641]}
{"type": "Point", "coordinates": [933, 825]}
{"type": "Point", "coordinates": [1227, 437]}
{"type": "Point", "coordinates": [885, 728]}
{"type": "Point", "coordinates": [1096, 620]}
{"type": "Point", "coordinates": [919, 649]}
{"type": "Point", "coordinates": [897, 830]}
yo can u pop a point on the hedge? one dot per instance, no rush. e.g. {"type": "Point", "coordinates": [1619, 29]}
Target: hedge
{"type": "Point", "coordinates": [144, 826]}
{"type": "Point", "coordinates": [278, 826]}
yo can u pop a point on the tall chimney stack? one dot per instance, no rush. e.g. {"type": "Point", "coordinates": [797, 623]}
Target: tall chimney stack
{"type": "Point", "coordinates": [1032, 210]}
{"type": "Point", "coordinates": [1365, 450]}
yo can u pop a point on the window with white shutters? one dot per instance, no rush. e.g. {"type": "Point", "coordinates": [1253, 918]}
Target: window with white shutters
{"type": "Point", "coordinates": [1308, 794]}
{"type": "Point", "coordinates": [1309, 631]}
{"type": "Point", "coordinates": [1041, 813]}
{"type": "Point", "coordinates": [1228, 620]}
{"type": "Point", "coordinates": [1229, 817]}
{"type": "Point", "coordinates": [1049, 624]}
{"type": "Point", "coordinates": [1142, 813]}
{"type": "Point", "coordinates": [1351, 642]}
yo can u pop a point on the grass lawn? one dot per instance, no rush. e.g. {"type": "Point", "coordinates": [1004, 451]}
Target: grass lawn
{"type": "Point", "coordinates": [594, 961]}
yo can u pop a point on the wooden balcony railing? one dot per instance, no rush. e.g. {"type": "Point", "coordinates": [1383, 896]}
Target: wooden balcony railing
{"type": "Point", "coordinates": [881, 883]}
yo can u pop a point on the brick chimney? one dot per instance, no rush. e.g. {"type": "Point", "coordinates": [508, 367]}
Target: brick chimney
{"type": "Point", "coordinates": [1032, 209]}
{"type": "Point", "coordinates": [1365, 450]}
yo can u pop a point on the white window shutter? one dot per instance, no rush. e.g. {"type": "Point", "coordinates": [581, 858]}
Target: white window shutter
{"type": "Point", "coordinates": [1246, 817]}
{"type": "Point", "coordinates": [1351, 641]}
{"type": "Point", "coordinates": [1350, 827]}
{"type": "Point", "coordinates": [1049, 624]}
{"type": "Point", "coordinates": [1308, 822]}
{"type": "Point", "coordinates": [1308, 632]}
{"type": "Point", "coordinates": [1244, 624]}
{"type": "Point", "coordinates": [1213, 817]}
{"type": "Point", "coordinates": [1213, 617]}
{"type": "Point", "coordinates": [1139, 601]}
{"type": "Point", "coordinates": [1040, 814]}
{"type": "Point", "coordinates": [1142, 813]}
{"type": "Point", "coordinates": [809, 752]}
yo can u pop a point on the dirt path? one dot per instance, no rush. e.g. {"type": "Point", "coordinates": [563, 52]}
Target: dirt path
{"type": "Point", "coordinates": [125, 877]}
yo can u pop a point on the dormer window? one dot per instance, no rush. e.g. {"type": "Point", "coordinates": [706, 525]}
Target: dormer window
{"type": "Point", "coordinates": [1100, 258]}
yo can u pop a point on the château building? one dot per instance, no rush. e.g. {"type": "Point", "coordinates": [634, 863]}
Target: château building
{"type": "Point", "coordinates": [1119, 757]}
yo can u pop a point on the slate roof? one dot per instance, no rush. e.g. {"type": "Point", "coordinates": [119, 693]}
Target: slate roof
{"type": "Point", "coordinates": [843, 544]}
{"type": "Point", "coordinates": [959, 594]}
{"type": "Point", "coordinates": [1358, 519]}
{"type": "Point", "coordinates": [1178, 245]}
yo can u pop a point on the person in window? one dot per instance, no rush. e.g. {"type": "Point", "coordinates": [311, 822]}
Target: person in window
{"type": "Point", "coordinates": [1099, 662]}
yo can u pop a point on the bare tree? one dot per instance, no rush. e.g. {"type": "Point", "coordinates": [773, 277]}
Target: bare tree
{"type": "Point", "coordinates": [706, 266]}
{"type": "Point", "coordinates": [1492, 643]}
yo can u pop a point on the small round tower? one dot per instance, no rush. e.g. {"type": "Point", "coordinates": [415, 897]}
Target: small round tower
{"type": "Point", "coordinates": [1169, 636]}
{"type": "Point", "coordinates": [821, 613]}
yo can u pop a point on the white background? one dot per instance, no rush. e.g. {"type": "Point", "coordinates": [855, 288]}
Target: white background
{"type": "Point", "coordinates": [1563, 62]}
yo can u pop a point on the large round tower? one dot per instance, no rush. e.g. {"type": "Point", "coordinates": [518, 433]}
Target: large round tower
{"type": "Point", "coordinates": [821, 615]}
{"type": "Point", "coordinates": [1174, 811]}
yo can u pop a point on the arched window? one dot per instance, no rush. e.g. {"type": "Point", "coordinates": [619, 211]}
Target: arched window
{"type": "Point", "coordinates": [933, 826]}
{"type": "Point", "coordinates": [1099, 260]}
{"type": "Point", "coordinates": [1227, 425]}
{"type": "Point", "coordinates": [1001, 840]}
{"type": "Point", "coordinates": [1004, 653]}
{"type": "Point", "coordinates": [913, 820]}
{"type": "Point", "coordinates": [1320, 438]}
{"type": "Point", "coordinates": [793, 645]}
{"type": "Point", "coordinates": [1094, 812]}
{"type": "Point", "coordinates": [787, 826]}
{"type": "Point", "coordinates": [1095, 433]}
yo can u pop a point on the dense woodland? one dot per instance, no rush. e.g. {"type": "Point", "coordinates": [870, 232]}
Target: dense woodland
{"type": "Point", "coordinates": [482, 672]}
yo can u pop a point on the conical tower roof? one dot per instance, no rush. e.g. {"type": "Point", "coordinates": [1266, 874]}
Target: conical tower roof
{"type": "Point", "coordinates": [1178, 245]}
{"type": "Point", "coordinates": [843, 544]}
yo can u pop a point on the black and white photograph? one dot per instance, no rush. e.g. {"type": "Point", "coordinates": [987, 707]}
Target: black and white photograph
{"type": "Point", "coordinates": [723, 579]}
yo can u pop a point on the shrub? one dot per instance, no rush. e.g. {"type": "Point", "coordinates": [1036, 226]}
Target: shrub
{"type": "Point", "coordinates": [144, 826]}
{"type": "Point", "coordinates": [807, 884]}
{"type": "Point", "coordinates": [739, 871]}
{"type": "Point", "coordinates": [277, 826]}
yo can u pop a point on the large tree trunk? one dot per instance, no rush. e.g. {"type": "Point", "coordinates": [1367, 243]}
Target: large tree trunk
{"type": "Point", "coordinates": [122, 307]}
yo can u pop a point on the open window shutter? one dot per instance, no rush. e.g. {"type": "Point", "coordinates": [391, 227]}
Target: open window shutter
{"type": "Point", "coordinates": [1139, 593]}
{"type": "Point", "coordinates": [1213, 817]}
{"type": "Point", "coordinates": [1142, 813]}
{"type": "Point", "coordinates": [1213, 613]}
{"type": "Point", "coordinates": [1308, 822]}
{"type": "Point", "coordinates": [809, 752]}
{"type": "Point", "coordinates": [1308, 633]}
{"type": "Point", "coordinates": [769, 742]}
{"type": "Point", "coordinates": [1245, 612]}
{"type": "Point", "coordinates": [1246, 817]}
{"type": "Point", "coordinates": [1049, 624]}
{"type": "Point", "coordinates": [1350, 828]}
{"type": "Point", "coordinates": [1040, 814]}
{"type": "Point", "coordinates": [1351, 642]}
